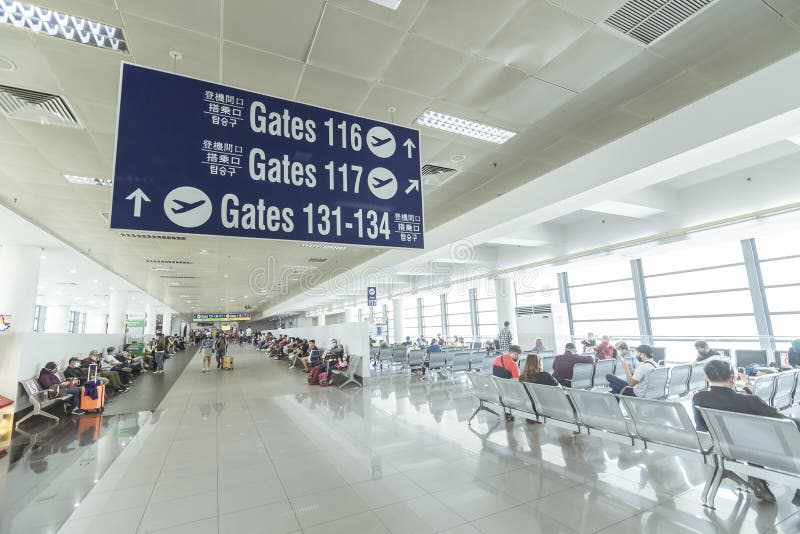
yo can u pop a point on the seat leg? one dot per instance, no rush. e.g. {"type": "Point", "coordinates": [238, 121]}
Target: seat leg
{"type": "Point", "coordinates": [712, 486]}
{"type": "Point", "coordinates": [480, 407]}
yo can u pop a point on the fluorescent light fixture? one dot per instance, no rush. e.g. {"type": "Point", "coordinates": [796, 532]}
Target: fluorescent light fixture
{"type": "Point", "coordinates": [456, 125]}
{"type": "Point", "coordinates": [623, 209]}
{"type": "Point", "coordinates": [391, 4]}
{"type": "Point", "coordinates": [518, 242]}
{"type": "Point", "coordinates": [85, 180]}
{"type": "Point", "coordinates": [794, 139]}
{"type": "Point", "coordinates": [62, 25]}
{"type": "Point", "coordinates": [324, 247]}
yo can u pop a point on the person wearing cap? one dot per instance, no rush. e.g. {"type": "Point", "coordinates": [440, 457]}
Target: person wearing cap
{"type": "Point", "coordinates": [635, 381]}
{"type": "Point", "coordinates": [48, 379]}
{"type": "Point", "coordinates": [564, 364]}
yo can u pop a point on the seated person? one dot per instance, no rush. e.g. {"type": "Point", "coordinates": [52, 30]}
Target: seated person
{"type": "Point", "coordinates": [704, 352]}
{"type": "Point", "coordinates": [313, 356]}
{"type": "Point", "coordinates": [336, 350]}
{"type": "Point", "coordinates": [75, 372]}
{"type": "Point", "coordinates": [589, 343]}
{"type": "Point", "coordinates": [635, 381]}
{"type": "Point", "coordinates": [564, 364]}
{"type": "Point", "coordinates": [722, 395]}
{"type": "Point", "coordinates": [117, 380]}
{"type": "Point", "coordinates": [407, 342]}
{"type": "Point", "coordinates": [116, 365]}
{"type": "Point", "coordinates": [604, 351]}
{"type": "Point", "coordinates": [505, 366]}
{"type": "Point", "coordinates": [490, 346]}
{"type": "Point", "coordinates": [126, 357]}
{"type": "Point", "coordinates": [539, 346]}
{"type": "Point", "coordinates": [534, 374]}
{"type": "Point", "coordinates": [48, 379]}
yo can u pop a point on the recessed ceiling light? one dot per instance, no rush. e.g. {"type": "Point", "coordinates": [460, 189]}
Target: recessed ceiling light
{"type": "Point", "coordinates": [94, 281]}
{"type": "Point", "coordinates": [457, 125]}
{"type": "Point", "coordinates": [72, 271]}
{"type": "Point", "coordinates": [203, 251]}
{"type": "Point", "coordinates": [43, 256]}
{"type": "Point", "coordinates": [225, 276]}
{"type": "Point", "coordinates": [62, 25]}
{"type": "Point", "coordinates": [458, 158]}
{"type": "Point", "coordinates": [86, 180]}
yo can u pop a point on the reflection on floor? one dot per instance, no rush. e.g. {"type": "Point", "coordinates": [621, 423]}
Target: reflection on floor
{"type": "Point", "coordinates": [257, 450]}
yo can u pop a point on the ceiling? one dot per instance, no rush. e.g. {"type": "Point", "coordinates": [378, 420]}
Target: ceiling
{"type": "Point", "coordinates": [548, 70]}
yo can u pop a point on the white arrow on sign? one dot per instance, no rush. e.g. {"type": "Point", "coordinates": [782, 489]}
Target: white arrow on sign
{"type": "Point", "coordinates": [137, 197]}
{"type": "Point", "coordinates": [414, 185]}
{"type": "Point", "coordinates": [409, 144]}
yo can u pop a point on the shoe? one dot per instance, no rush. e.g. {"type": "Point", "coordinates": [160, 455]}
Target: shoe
{"type": "Point", "coordinates": [760, 489]}
{"type": "Point", "coordinates": [145, 371]}
{"type": "Point", "coordinates": [291, 367]}
{"type": "Point", "coordinates": [78, 411]}
{"type": "Point", "coordinates": [203, 370]}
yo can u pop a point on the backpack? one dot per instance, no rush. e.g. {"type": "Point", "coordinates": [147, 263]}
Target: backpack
{"type": "Point", "coordinates": [323, 379]}
{"type": "Point", "coordinates": [313, 376]}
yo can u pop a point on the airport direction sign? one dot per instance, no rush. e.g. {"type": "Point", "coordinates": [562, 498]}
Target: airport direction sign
{"type": "Point", "coordinates": [196, 157]}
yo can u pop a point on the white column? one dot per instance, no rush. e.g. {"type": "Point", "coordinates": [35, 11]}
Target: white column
{"type": "Point", "coordinates": [506, 300]}
{"type": "Point", "coordinates": [95, 321]}
{"type": "Point", "coordinates": [19, 266]}
{"type": "Point", "coordinates": [397, 320]}
{"type": "Point", "coordinates": [117, 305]}
{"type": "Point", "coordinates": [150, 326]}
{"type": "Point", "coordinates": [321, 319]}
{"type": "Point", "coordinates": [57, 319]}
{"type": "Point", "coordinates": [166, 323]}
{"type": "Point", "coordinates": [351, 314]}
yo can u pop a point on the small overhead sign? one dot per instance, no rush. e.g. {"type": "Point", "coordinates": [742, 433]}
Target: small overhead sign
{"type": "Point", "coordinates": [205, 317]}
{"type": "Point", "coordinates": [196, 157]}
{"type": "Point", "coordinates": [135, 323]}
{"type": "Point", "coordinates": [372, 296]}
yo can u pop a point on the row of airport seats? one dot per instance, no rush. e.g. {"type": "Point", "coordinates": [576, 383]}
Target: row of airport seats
{"type": "Point", "coordinates": [744, 445]}
{"type": "Point", "coordinates": [662, 382]}
{"type": "Point", "coordinates": [780, 390]}
{"type": "Point", "coordinates": [450, 360]}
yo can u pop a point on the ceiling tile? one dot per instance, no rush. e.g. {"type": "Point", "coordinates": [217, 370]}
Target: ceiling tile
{"type": "Point", "coordinates": [607, 126]}
{"type": "Point", "coordinates": [402, 17]}
{"type": "Point", "coordinates": [32, 69]}
{"type": "Point", "coordinates": [565, 150]}
{"type": "Point", "coordinates": [594, 10]}
{"type": "Point", "coordinates": [197, 15]}
{"type": "Point", "coordinates": [535, 35]}
{"type": "Point", "coordinates": [259, 71]}
{"type": "Point", "coordinates": [151, 43]}
{"type": "Point", "coordinates": [97, 117]}
{"type": "Point", "coordinates": [483, 82]}
{"type": "Point", "coordinates": [408, 106]}
{"type": "Point", "coordinates": [589, 59]}
{"type": "Point", "coordinates": [332, 90]}
{"type": "Point", "coordinates": [532, 100]}
{"type": "Point", "coordinates": [642, 73]}
{"type": "Point", "coordinates": [464, 24]}
{"type": "Point", "coordinates": [276, 26]}
{"type": "Point", "coordinates": [431, 143]}
{"type": "Point", "coordinates": [676, 93]}
{"type": "Point", "coordinates": [530, 140]}
{"type": "Point", "coordinates": [362, 53]}
{"type": "Point", "coordinates": [424, 67]}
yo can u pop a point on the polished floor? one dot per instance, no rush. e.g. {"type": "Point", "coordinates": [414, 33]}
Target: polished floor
{"type": "Point", "coordinates": [257, 450]}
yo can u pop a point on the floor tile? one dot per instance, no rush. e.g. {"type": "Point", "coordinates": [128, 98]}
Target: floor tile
{"type": "Point", "coordinates": [237, 497]}
{"type": "Point", "coordinates": [365, 523]}
{"type": "Point", "coordinates": [418, 516]}
{"type": "Point", "coordinates": [324, 506]}
{"type": "Point", "coordinates": [387, 490]}
{"type": "Point", "coordinates": [275, 518]}
{"type": "Point", "coordinates": [204, 526]}
{"type": "Point", "coordinates": [521, 519]}
{"type": "Point", "coordinates": [163, 514]}
{"type": "Point", "coordinates": [475, 501]}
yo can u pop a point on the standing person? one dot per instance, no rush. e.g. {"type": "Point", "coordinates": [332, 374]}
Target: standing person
{"type": "Point", "coordinates": [220, 349]}
{"type": "Point", "coordinates": [794, 353]}
{"type": "Point", "coordinates": [161, 349]}
{"type": "Point", "coordinates": [206, 346]}
{"type": "Point", "coordinates": [505, 337]}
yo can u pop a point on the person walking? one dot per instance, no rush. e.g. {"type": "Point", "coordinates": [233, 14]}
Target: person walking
{"type": "Point", "coordinates": [505, 337]}
{"type": "Point", "coordinates": [161, 349]}
{"type": "Point", "coordinates": [220, 350]}
{"type": "Point", "coordinates": [206, 346]}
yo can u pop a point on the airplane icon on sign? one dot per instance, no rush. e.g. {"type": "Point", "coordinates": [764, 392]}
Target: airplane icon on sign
{"type": "Point", "coordinates": [377, 183]}
{"type": "Point", "coordinates": [377, 141]}
{"type": "Point", "coordinates": [186, 206]}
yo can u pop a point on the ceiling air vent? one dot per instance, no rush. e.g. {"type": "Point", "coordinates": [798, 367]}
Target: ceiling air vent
{"type": "Point", "coordinates": [317, 260]}
{"type": "Point", "coordinates": [434, 175]}
{"type": "Point", "coordinates": [153, 236]}
{"type": "Point", "coordinates": [536, 309]}
{"type": "Point", "coordinates": [44, 108]}
{"type": "Point", "coordinates": [648, 20]}
{"type": "Point", "coordinates": [177, 276]}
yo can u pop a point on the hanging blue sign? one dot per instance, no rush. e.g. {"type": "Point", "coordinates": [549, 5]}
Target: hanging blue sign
{"type": "Point", "coordinates": [372, 296]}
{"type": "Point", "coordinates": [196, 157]}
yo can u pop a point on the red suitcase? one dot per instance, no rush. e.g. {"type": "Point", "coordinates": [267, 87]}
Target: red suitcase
{"type": "Point", "coordinates": [87, 402]}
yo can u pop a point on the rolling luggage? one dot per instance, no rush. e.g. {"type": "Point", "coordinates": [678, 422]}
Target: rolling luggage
{"type": "Point", "coordinates": [92, 383]}
{"type": "Point", "coordinates": [227, 362]}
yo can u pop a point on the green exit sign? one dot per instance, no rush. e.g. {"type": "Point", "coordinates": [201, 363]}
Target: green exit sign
{"type": "Point", "coordinates": [135, 323]}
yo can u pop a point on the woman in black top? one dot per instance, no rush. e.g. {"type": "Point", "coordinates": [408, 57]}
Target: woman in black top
{"type": "Point", "coordinates": [533, 372]}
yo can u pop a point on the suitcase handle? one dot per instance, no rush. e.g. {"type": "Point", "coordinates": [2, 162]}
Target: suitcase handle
{"type": "Point", "coordinates": [89, 372]}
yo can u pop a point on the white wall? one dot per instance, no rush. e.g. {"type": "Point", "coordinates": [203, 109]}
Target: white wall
{"type": "Point", "coordinates": [22, 355]}
{"type": "Point", "coordinates": [353, 336]}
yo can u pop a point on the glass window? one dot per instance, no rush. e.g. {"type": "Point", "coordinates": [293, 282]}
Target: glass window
{"type": "Point", "coordinates": [615, 329]}
{"type": "Point", "coordinates": [488, 318]}
{"type": "Point", "coordinates": [733, 277]}
{"type": "Point", "coordinates": [780, 271]}
{"type": "Point", "coordinates": [692, 255]}
{"type": "Point", "coordinates": [605, 310]}
{"type": "Point", "coordinates": [611, 290]}
{"type": "Point", "coordinates": [702, 304]}
{"type": "Point", "coordinates": [487, 331]}
{"type": "Point", "coordinates": [457, 307]}
{"type": "Point", "coordinates": [778, 245]}
{"type": "Point", "coordinates": [783, 299]}
{"type": "Point", "coordinates": [599, 271]}
{"type": "Point", "coordinates": [786, 326]}
{"type": "Point", "coordinates": [536, 280]}
{"type": "Point", "coordinates": [706, 327]}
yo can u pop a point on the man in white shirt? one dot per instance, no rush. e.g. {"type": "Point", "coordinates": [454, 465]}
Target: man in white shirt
{"type": "Point", "coordinates": [635, 381]}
